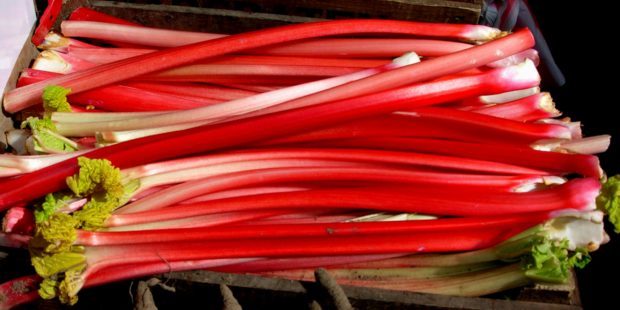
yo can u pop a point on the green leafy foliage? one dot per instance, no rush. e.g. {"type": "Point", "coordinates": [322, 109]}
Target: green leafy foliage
{"type": "Point", "coordinates": [551, 261]}
{"type": "Point", "coordinates": [55, 99]}
{"type": "Point", "coordinates": [609, 200]}
{"type": "Point", "coordinates": [52, 202]}
{"type": "Point", "coordinates": [45, 137]}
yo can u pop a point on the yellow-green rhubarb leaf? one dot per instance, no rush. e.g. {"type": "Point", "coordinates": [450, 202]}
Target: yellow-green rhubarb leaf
{"type": "Point", "coordinates": [103, 183]}
{"type": "Point", "coordinates": [46, 140]}
{"type": "Point", "coordinates": [55, 99]}
{"type": "Point", "coordinates": [55, 235]}
{"type": "Point", "coordinates": [48, 288]}
{"type": "Point", "coordinates": [52, 203]}
{"type": "Point", "coordinates": [608, 201]}
{"type": "Point", "coordinates": [49, 265]}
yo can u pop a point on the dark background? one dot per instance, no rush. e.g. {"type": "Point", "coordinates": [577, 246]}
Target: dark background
{"type": "Point", "coordinates": [580, 37]}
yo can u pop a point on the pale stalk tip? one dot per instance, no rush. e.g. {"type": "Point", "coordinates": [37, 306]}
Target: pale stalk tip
{"type": "Point", "coordinates": [546, 104]}
{"type": "Point", "coordinates": [50, 61]}
{"type": "Point", "coordinates": [408, 58]}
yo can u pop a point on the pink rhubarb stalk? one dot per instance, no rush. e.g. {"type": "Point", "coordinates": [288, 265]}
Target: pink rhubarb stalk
{"type": "Point", "coordinates": [23, 97]}
{"type": "Point", "coordinates": [207, 138]}
{"type": "Point", "coordinates": [531, 108]}
{"type": "Point", "coordinates": [419, 160]}
{"type": "Point", "coordinates": [553, 162]}
{"type": "Point", "coordinates": [239, 106]}
{"type": "Point", "coordinates": [503, 78]}
{"type": "Point", "coordinates": [100, 257]}
{"type": "Point", "coordinates": [492, 124]}
{"type": "Point", "coordinates": [170, 38]}
{"type": "Point", "coordinates": [86, 14]}
{"type": "Point", "coordinates": [133, 34]}
{"type": "Point", "coordinates": [103, 55]}
{"type": "Point", "coordinates": [187, 190]}
{"type": "Point", "coordinates": [120, 97]}
{"type": "Point", "coordinates": [52, 61]}
{"type": "Point", "coordinates": [364, 48]}
{"type": "Point", "coordinates": [460, 126]}
{"type": "Point", "coordinates": [18, 220]}
{"type": "Point", "coordinates": [54, 41]}
{"type": "Point", "coordinates": [578, 194]}
{"type": "Point", "coordinates": [209, 220]}
{"type": "Point", "coordinates": [195, 90]}
{"type": "Point", "coordinates": [456, 225]}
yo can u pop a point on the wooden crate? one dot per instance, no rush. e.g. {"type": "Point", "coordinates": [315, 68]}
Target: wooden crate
{"type": "Point", "coordinates": [234, 16]}
{"type": "Point", "coordinates": [241, 15]}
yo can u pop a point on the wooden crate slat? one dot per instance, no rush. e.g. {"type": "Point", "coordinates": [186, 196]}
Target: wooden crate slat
{"type": "Point", "coordinates": [195, 19]}
{"type": "Point", "coordinates": [242, 15]}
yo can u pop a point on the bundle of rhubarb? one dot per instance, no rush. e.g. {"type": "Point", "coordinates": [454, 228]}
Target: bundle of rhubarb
{"type": "Point", "coordinates": [389, 152]}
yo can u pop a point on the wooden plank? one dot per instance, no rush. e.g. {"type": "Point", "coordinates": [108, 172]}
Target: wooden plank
{"type": "Point", "coordinates": [196, 19]}
{"type": "Point", "coordinates": [242, 15]}
{"type": "Point", "coordinates": [421, 10]}
{"type": "Point", "coordinates": [363, 298]}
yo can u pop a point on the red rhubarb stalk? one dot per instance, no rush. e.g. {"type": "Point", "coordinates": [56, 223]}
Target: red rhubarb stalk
{"type": "Point", "coordinates": [558, 163]}
{"type": "Point", "coordinates": [273, 264]}
{"type": "Point", "coordinates": [103, 55]}
{"type": "Point", "coordinates": [578, 194]}
{"type": "Point", "coordinates": [554, 162]}
{"type": "Point", "coordinates": [207, 138]}
{"type": "Point", "coordinates": [436, 242]}
{"type": "Point", "coordinates": [133, 271]}
{"type": "Point", "coordinates": [195, 90]}
{"type": "Point", "coordinates": [419, 160]}
{"type": "Point", "coordinates": [23, 97]}
{"type": "Point", "coordinates": [531, 108]}
{"type": "Point", "coordinates": [364, 48]}
{"type": "Point", "coordinates": [464, 119]}
{"type": "Point", "coordinates": [503, 78]}
{"type": "Point", "coordinates": [456, 225]}
{"type": "Point", "coordinates": [187, 190]}
{"type": "Point", "coordinates": [47, 20]}
{"type": "Point", "coordinates": [54, 41]}
{"type": "Point", "coordinates": [521, 74]}
{"type": "Point", "coordinates": [86, 14]}
{"type": "Point", "coordinates": [133, 34]}
{"type": "Point", "coordinates": [472, 127]}
{"type": "Point", "coordinates": [209, 220]}
{"type": "Point", "coordinates": [12, 240]}
{"type": "Point", "coordinates": [518, 58]}
{"type": "Point", "coordinates": [209, 171]}
{"type": "Point", "coordinates": [120, 97]}
{"type": "Point", "coordinates": [19, 291]}
{"type": "Point", "coordinates": [245, 192]}
{"type": "Point", "coordinates": [155, 37]}
{"type": "Point", "coordinates": [52, 61]}
{"type": "Point", "coordinates": [248, 104]}
{"type": "Point", "coordinates": [503, 97]}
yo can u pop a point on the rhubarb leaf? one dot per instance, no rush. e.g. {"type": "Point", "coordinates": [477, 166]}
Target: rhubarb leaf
{"type": "Point", "coordinates": [45, 137]}
{"type": "Point", "coordinates": [96, 176]}
{"type": "Point", "coordinates": [95, 212]}
{"type": "Point", "coordinates": [49, 265]}
{"type": "Point", "coordinates": [55, 99]}
{"type": "Point", "coordinates": [52, 203]}
{"type": "Point", "coordinates": [55, 235]}
{"type": "Point", "coordinates": [47, 288]}
{"type": "Point", "coordinates": [609, 200]}
{"type": "Point", "coordinates": [62, 275]}
{"type": "Point", "coordinates": [551, 261]}
{"type": "Point", "coordinates": [71, 285]}
{"type": "Point", "coordinates": [99, 180]}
